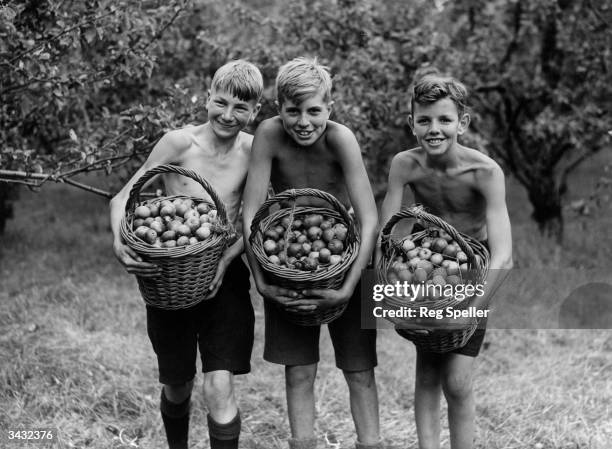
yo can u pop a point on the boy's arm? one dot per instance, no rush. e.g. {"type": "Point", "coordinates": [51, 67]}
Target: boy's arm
{"type": "Point", "coordinates": [255, 192]}
{"type": "Point", "coordinates": [362, 200]}
{"type": "Point", "coordinates": [398, 175]}
{"type": "Point", "coordinates": [165, 151]}
{"type": "Point", "coordinates": [499, 235]}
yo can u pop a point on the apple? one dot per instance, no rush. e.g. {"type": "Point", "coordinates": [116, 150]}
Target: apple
{"type": "Point", "coordinates": [408, 245]}
{"type": "Point", "coordinates": [168, 235]}
{"type": "Point", "coordinates": [317, 245]}
{"type": "Point", "coordinates": [436, 258]}
{"type": "Point", "coordinates": [271, 234]}
{"type": "Point", "coordinates": [202, 208]}
{"type": "Point", "coordinates": [150, 236]}
{"type": "Point", "coordinates": [461, 257]}
{"type": "Point", "coordinates": [270, 247]}
{"type": "Point", "coordinates": [439, 244]}
{"type": "Point", "coordinates": [314, 233]}
{"type": "Point", "coordinates": [413, 253]}
{"type": "Point", "coordinates": [404, 275]}
{"type": "Point", "coordinates": [335, 259]}
{"type": "Point", "coordinates": [425, 253]}
{"type": "Point", "coordinates": [453, 268]}
{"type": "Point", "coordinates": [182, 241]}
{"type": "Point", "coordinates": [324, 255]}
{"type": "Point", "coordinates": [426, 265]}
{"type": "Point", "coordinates": [313, 220]}
{"type": "Point", "coordinates": [328, 235]}
{"type": "Point", "coordinates": [341, 231]}
{"type": "Point", "coordinates": [335, 246]}
{"type": "Point", "coordinates": [142, 212]}
{"type": "Point", "coordinates": [420, 275]}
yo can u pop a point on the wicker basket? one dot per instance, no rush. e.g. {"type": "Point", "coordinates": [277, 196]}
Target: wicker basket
{"type": "Point", "coordinates": [327, 277]}
{"type": "Point", "coordinates": [186, 271]}
{"type": "Point", "coordinates": [436, 340]}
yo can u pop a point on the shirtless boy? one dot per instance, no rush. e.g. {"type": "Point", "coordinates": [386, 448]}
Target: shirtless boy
{"type": "Point", "coordinates": [465, 188]}
{"type": "Point", "coordinates": [222, 326]}
{"type": "Point", "coordinates": [302, 148]}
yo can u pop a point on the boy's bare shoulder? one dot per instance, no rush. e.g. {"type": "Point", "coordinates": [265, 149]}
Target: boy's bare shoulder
{"type": "Point", "coordinates": [180, 139]}
{"type": "Point", "coordinates": [271, 127]}
{"type": "Point", "coordinates": [409, 159]}
{"type": "Point", "coordinates": [483, 166]}
{"type": "Point", "coordinates": [338, 133]}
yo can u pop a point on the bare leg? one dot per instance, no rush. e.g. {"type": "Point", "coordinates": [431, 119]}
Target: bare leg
{"type": "Point", "coordinates": [364, 405]}
{"type": "Point", "coordinates": [219, 394]}
{"type": "Point", "coordinates": [457, 387]}
{"type": "Point", "coordinates": [224, 422]}
{"type": "Point", "coordinates": [299, 384]}
{"type": "Point", "coordinates": [427, 394]}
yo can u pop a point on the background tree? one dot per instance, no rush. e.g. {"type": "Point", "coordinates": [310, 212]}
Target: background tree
{"type": "Point", "coordinates": [92, 85]}
{"type": "Point", "coordinates": [541, 74]}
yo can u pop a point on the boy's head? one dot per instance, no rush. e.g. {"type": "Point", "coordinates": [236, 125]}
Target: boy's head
{"type": "Point", "coordinates": [233, 98]}
{"type": "Point", "coordinates": [303, 91]}
{"type": "Point", "coordinates": [439, 113]}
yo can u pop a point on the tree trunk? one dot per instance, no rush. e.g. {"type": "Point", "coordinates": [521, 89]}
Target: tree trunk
{"type": "Point", "coordinates": [7, 194]}
{"type": "Point", "coordinates": [547, 210]}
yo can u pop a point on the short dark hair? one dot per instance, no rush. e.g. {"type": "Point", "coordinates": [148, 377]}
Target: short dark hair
{"type": "Point", "coordinates": [433, 87]}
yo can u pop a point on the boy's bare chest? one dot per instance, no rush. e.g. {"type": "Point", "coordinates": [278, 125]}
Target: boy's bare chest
{"type": "Point", "coordinates": [226, 173]}
{"type": "Point", "coordinates": [447, 195]}
{"type": "Point", "coordinates": [307, 169]}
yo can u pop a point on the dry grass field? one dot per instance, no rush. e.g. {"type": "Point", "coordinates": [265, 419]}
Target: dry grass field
{"type": "Point", "coordinates": [74, 353]}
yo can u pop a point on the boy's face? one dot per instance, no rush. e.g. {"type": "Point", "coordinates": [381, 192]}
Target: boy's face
{"type": "Point", "coordinates": [437, 125]}
{"type": "Point", "coordinates": [306, 122]}
{"type": "Point", "coordinates": [228, 115]}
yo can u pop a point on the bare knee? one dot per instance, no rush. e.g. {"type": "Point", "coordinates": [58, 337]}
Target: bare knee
{"type": "Point", "coordinates": [178, 393]}
{"type": "Point", "coordinates": [300, 377]}
{"type": "Point", "coordinates": [218, 388]}
{"type": "Point", "coordinates": [362, 380]}
{"type": "Point", "coordinates": [457, 387]}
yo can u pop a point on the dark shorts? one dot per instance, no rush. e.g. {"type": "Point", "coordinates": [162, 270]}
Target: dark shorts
{"type": "Point", "coordinates": [291, 344]}
{"type": "Point", "coordinates": [221, 326]}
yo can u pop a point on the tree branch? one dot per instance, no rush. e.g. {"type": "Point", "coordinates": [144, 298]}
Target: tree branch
{"type": "Point", "coordinates": [60, 34]}
{"type": "Point", "coordinates": [22, 177]}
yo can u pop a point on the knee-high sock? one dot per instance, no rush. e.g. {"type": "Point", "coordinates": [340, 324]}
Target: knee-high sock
{"type": "Point", "coordinates": [224, 436]}
{"type": "Point", "coordinates": [176, 421]}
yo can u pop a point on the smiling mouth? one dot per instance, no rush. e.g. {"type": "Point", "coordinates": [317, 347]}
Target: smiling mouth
{"type": "Point", "coordinates": [304, 134]}
{"type": "Point", "coordinates": [434, 142]}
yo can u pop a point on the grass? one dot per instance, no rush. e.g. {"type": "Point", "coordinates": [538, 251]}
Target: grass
{"type": "Point", "coordinates": [75, 354]}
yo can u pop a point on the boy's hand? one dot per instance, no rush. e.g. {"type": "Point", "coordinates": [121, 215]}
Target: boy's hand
{"type": "Point", "coordinates": [281, 296]}
{"type": "Point", "coordinates": [215, 284]}
{"type": "Point", "coordinates": [322, 299]}
{"type": "Point", "coordinates": [132, 261]}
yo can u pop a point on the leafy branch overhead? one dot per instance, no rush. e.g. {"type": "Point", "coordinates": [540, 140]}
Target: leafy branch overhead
{"type": "Point", "coordinates": [91, 85]}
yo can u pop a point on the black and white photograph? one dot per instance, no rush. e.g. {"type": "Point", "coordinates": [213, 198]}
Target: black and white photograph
{"type": "Point", "coordinates": [328, 224]}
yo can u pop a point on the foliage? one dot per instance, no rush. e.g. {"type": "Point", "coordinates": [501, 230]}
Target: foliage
{"type": "Point", "coordinates": [92, 85]}
{"type": "Point", "coordinates": [541, 76]}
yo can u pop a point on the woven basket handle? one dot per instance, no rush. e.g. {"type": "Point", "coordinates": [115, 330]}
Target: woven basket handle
{"type": "Point", "coordinates": [134, 197]}
{"type": "Point", "coordinates": [292, 194]}
{"type": "Point", "coordinates": [419, 213]}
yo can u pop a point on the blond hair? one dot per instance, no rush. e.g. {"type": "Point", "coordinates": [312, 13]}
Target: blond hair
{"type": "Point", "coordinates": [240, 78]}
{"type": "Point", "coordinates": [301, 78]}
